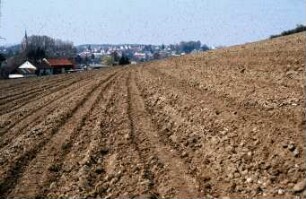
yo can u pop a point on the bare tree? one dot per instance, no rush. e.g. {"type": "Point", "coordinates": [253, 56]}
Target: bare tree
{"type": "Point", "coordinates": [51, 47]}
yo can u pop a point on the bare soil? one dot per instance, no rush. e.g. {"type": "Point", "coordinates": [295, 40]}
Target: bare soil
{"type": "Point", "coordinates": [224, 123]}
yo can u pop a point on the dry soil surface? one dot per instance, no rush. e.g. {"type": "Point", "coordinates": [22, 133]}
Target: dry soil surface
{"type": "Point", "coordinates": [227, 123]}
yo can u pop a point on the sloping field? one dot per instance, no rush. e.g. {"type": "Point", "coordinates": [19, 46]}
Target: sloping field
{"type": "Point", "coordinates": [225, 123]}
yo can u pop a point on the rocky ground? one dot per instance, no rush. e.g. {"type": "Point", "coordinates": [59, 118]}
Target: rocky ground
{"type": "Point", "coordinates": [227, 123]}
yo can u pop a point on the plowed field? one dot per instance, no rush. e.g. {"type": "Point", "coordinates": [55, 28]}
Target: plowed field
{"type": "Point", "coordinates": [224, 123]}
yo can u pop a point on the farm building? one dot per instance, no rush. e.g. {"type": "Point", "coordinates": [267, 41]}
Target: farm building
{"type": "Point", "coordinates": [24, 70]}
{"type": "Point", "coordinates": [39, 68]}
{"type": "Point", "coordinates": [60, 65]}
{"type": "Point", "coordinates": [44, 68]}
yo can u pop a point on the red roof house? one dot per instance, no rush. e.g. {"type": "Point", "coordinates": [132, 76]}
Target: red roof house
{"type": "Point", "coordinates": [60, 65]}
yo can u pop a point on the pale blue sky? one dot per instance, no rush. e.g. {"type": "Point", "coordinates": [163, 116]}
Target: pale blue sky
{"type": "Point", "coordinates": [215, 22]}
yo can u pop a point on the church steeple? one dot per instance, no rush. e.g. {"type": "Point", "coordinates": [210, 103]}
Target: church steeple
{"type": "Point", "coordinates": [25, 42]}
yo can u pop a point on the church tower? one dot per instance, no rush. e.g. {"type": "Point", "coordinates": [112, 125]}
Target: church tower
{"type": "Point", "coordinates": [25, 42]}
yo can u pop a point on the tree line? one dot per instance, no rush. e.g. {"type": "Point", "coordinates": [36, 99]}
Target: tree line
{"type": "Point", "coordinates": [299, 28]}
{"type": "Point", "coordinates": [37, 47]}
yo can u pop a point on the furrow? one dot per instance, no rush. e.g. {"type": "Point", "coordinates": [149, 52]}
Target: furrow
{"type": "Point", "coordinates": [134, 138]}
{"type": "Point", "coordinates": [17, 84]}
{"type": "Point", "coordinates": [11, 173]}
{"type": "Point", "coordinates": [252, 106]}
{"type": "Point", "coordinates": [83, 162]}
{"type": "Point", "coordinates": [125, 172]}
{"type": "Point", "coordinates": [148, 139]}
{"type": "Point", "coordinates": [41, 87]}
{"type": "Point", "coordinates": [188, 124]}
{"type": "Point", "coordinates": [231, 108]}
{"type": "Point", "coordinates": [33, 110]}
{"type": "Point", "coordinates": [48, 161]}
{"type": "Point", "coordinates": [21, 101]}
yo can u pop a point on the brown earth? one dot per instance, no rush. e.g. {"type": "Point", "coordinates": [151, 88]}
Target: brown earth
{"type": "Point", "coordinates": [227, 123]}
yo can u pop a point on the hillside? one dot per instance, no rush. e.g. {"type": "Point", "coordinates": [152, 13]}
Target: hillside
{"type": "Point", "coordinates": [224, 123]}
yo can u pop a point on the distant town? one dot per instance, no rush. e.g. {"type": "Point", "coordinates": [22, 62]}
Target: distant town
{"type": "Point", "coordinates": [41, 55]}
{"type": "Point", "coordinates": [139, 52]}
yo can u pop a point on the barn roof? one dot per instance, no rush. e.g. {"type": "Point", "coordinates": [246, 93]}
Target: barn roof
{"type": "Point", "coordinates": [60, 62]}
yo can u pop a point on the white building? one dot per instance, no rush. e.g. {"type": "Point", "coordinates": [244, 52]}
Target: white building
{"type": "Point", "coordinates": [24, 70]}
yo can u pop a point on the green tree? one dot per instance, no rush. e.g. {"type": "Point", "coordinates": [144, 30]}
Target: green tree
{"type": "Point", "coordinates": [92, 56]}
{"type": "Point", "coordinates": [163, 46]}
{"type": "Point", "coordinates": [115, 56]}
{"type": "Point", "coordinates": [124, 60]}
{"type": "Point", "coordinates": [107, 60]}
